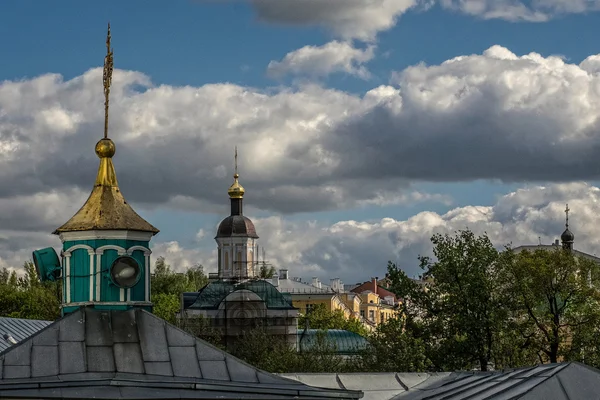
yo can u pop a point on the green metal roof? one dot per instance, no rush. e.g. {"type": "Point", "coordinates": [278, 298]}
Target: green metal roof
{"type": "Point", "coordinates": [345, 342]}
{"type": "Point", "coordinates": [211, 295]}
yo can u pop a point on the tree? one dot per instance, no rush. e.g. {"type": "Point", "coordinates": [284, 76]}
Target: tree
{"type": "Point", "coordinates": [266, 271]}
{"type": "Point", "coordinates": [321, 318]}
{"type": "Point", "coordinates": [167, 286]}
{"type": "Point", "coordinates": [392, 348]}
{"type": "Point", "coordinates": [556, 300]}
{"type": "Point", "coordinates": [459, 316]}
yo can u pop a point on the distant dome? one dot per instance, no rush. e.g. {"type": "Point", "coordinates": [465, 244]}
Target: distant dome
{"type": "Point", "coordinates": [567, 236]}
{"type": "Point", "coordinates": [236, 225]}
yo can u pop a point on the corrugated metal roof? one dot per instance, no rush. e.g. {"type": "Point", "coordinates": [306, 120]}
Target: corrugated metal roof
{"type": "Point", "coordinates": [565, 381]}
{"type": "Point", "coordinates": [19, 329]}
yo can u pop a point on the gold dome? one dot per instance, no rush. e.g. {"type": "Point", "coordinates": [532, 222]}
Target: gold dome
{"type": "Point", "coordinates": [236, 191]}
{"type": "Point", "coordinates": [105, 148]}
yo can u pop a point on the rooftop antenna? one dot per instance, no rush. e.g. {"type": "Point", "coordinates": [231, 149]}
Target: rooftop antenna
{"type": "Point", "coordinates": [107, 79]}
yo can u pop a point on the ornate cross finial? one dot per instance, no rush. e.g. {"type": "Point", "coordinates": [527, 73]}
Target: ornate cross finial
{"type": "Point", "coordinates": [236, 165]}
{"type": "Point", "coordinates": [107, 79]}
{"type": "Point", "coordinates": [567, 214]}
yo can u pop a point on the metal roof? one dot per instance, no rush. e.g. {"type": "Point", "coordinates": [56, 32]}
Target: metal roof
{"type": "Point", "coordinates": [211, 295]}
{"type": "Point", "coordinates": [19, 328]}
{"type": "Point", "coordinates": [132, 354]}
{"type": "Point", "coordinates": [345, 342]}
{"type": "Point", "coordinates": [565, 381]}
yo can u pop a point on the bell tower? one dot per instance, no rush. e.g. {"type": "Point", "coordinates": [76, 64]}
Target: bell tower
{"type": "Point", "coordinates": [236, 237]}
{"type": "Point", "coordinates": [105, 258]}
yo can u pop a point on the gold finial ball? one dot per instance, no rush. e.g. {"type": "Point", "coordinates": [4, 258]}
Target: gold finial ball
{"type": "Point", "coordinates": [105, 148]}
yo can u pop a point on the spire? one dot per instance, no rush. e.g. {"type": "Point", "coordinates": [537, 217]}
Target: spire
{"type": "Point", "coordinates": [106, 208]}
{"type": "Point", "coordinates": [236, 191]}
{"type": "Point", "coordinates": [567, 236]}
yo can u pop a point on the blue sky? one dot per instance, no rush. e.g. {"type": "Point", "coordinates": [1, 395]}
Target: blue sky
{"type": "Point", "coordinates": [194, 43]}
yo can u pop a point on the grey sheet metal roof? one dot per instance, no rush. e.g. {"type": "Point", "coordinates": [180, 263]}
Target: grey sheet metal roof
{"type": "Point", "coordinates": [20, 329]}
{"type": "Point", "coordinates": [134, 354]}
{"type": "Point", "coordinates": [565, 381]}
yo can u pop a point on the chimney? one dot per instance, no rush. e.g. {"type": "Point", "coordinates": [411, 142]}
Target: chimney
{"type": "Point", "coordinates": [283, 273]}
{"type": "Point", "coordinates": [374, 285]}
{"type": "Point", "coordinates": [275, 280]}
{"type": "Point", "coordinates": [556, 242]}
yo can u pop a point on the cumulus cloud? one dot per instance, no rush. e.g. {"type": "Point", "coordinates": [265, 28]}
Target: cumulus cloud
{"type": "Point", "coordinates": [355, 250]}
{"type": "Point", "coordinates": [495, 115]}
{"type": "Point", "coordinates": [317, 61]}
{"type": "Point", "coordinates": [347, 19]}
{"type": "Point", "coordinates": [516, 11]}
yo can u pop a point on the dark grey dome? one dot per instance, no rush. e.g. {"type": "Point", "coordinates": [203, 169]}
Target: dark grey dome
{"type": "Point", "coordinates": [567, 236]}
{"type": "Point", "coordinates": [236, 225]}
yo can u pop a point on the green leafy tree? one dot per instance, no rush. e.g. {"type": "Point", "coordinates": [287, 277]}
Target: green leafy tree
{"type": "Point", "coordinates": [319, 317]}
{"type": "Point", "coordinates": [392, 348]}
{"type": "Point", "coordinates": [168, 285]}
{"type": "Point", "coordinates": [266, 271]}
{"type": "Point", "coordinates": [556, 300]}
{"type": "Point", "coordinates": [459, 316]}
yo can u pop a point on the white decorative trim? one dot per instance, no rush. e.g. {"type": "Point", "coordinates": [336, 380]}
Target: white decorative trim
{"type": "Point", "coordinates": [67, 253]}
{"type": "Point", "coordinates": [121, 294]}
{"type": "Point", "coordinates": [91, 277]}
{"type": "Point", "coordinates": [120, 250]}
{"type": "Point", "coordinates": [98, 276]}
{"type": "Point", "coordinates": [107, 303]}
{"type": "Point", "coordinates": [106, 234]}
{"type": "Point", "coordinates": [147, 275]}
{"type": "Point", "coordinates": [141, 248]}
{"type": "Point", "coordinates": [68, 278]}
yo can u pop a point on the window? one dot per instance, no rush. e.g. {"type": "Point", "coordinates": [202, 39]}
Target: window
{"type": "Point", "coordinates": [362, 313]}
{"type": "Point", "coordinates": [371, 315]}
{"type": "Point", "coordinates": [309, 308]}
{"type": "Point", "coordinates": [382, 317]}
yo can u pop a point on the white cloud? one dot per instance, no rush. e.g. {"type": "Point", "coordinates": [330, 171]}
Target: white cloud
{"type": "Point", "coordinates": [515, 10]}
{"type": "Point", "coordinates": [347, 19]}
{"type": "Point", "coordinates": [317, 61]}
{"type": "Point", "coordinates": [356, 250]}
{"type": "Point", "coordinates": [307, 148]}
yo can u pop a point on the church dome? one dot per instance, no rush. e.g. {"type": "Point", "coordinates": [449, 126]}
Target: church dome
{"type": "Point", "coordinates": [236, 225]}
{"type": "Point", "coordinates": [567, 236]}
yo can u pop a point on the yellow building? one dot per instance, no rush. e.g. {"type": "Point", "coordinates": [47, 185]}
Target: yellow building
{"type": "Point", "coordinates": [369, 307]}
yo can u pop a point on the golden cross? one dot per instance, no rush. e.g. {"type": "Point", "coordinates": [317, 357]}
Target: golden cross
{"type": "Point", "coordinates": [107, 79]}
{"type": "Point", "coordinates": [235, 158]}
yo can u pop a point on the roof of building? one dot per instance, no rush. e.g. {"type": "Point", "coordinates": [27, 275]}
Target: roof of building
{"type": "Point", "coordinates": [534, 247]}
{"type": "Point", "coordinates": [19, 328]}
{"type": "Point", "coordinates": [133, 354]}
{"type": "Point", "coordinates": [297, 287]}
{"type": "Point", "coordinates": [344, 342]}
{"type": "Point", "coordinates": [237, 225]}
{"type": "Point", "coordinates": [565, 381]}
{"type": "Point", "coordinates": [212, 294]}
{"type": "Point", "coordinates": [106, 208]}
{"type": "Point", "coordinates": [382, 292]}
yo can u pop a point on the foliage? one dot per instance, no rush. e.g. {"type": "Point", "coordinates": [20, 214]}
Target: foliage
{"type": "Point", "coordinates": [27, 297]}
{"type": "Point", "coordinates": [321, 318]}
{"type": "Point", "coordinates": [266, 271]}
{"type": "Point", "coordinates": [167, 286]}
{"type": "Point", "coordinates": [556, 303]}
{"type": "Point", "coordinates": [393, 348]}
{"type": "Point", "coordinates": [461, 313]}
{"type": "Point", "coordinates": [275, 354]}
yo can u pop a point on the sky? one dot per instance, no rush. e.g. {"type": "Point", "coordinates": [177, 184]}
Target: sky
{"type": "Point", "coordinates": [363, 126]}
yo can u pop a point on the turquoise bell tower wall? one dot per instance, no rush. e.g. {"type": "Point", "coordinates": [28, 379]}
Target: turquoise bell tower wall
{"type": "Point", "coordinates": [87, 259]}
